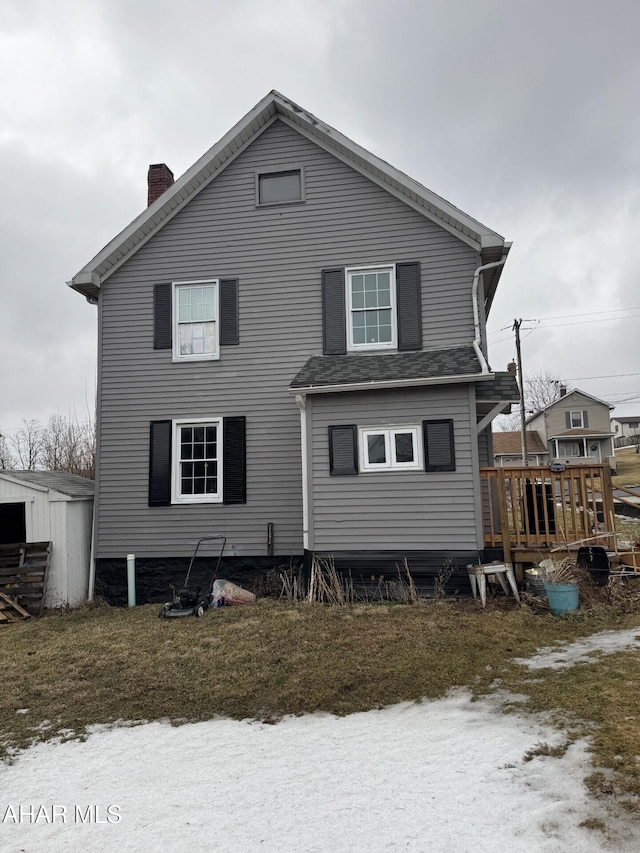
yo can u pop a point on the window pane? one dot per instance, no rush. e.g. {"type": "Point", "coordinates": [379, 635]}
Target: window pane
{"type": "Point", "coordinates": [404, 446]}
{"type": "Point", "coordinates": [359, 335]}
{"type": "Point", "coordinates": [280, 186]}
{"type": "Point", "coordinates": [376, 449]}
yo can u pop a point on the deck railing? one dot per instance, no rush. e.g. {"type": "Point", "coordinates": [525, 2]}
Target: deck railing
{"type": "Point", "coordinates": [534, 507]}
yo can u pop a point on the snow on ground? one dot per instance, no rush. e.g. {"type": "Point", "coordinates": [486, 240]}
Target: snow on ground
{"type": "Point", "coordinates": [445, 777]}
{"type": "Point", "coordinates": [582, 651]}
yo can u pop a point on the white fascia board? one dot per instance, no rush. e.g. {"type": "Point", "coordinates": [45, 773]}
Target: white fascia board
{"type": "Point", "coordinates": [377, 385]}
{"type": "Point", "coordinates": [144, 226]}
{"type": "Point", "coordinates": [6, 475]}
{"type": "Point", "coordinates": [412, 192]}
{"type": "Point", "coordinates": [224, 151]}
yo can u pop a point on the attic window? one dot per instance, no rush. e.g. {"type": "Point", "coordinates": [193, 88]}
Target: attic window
{"type": "Point", "coordinates": [280, 187]}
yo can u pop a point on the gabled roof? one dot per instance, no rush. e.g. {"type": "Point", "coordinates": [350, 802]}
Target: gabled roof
{"type": "Point", "coordinates": [564, 399]}
{"type": "Point", "coordinates": [328, 373]}
{"type": "Point", "coordinates": [59, 481]}
{"type": "Point", "coordinates": [274, 106]}
{"type": "Point", "coordinates": [631, 419]}
{"type": "Point", "coordinates": [510, 443]}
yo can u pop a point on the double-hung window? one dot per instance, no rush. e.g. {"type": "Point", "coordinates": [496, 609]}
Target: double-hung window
{"type": "Point", "coordinates": [196, 320]}
{"type": "Point", "coordinates": [197, 454]}
{"type": "Point", "coordinates": [576, 420]}
{"type": "Point", "coordinates": [390, 448]}
{"type": "Point", "coordinates": [371, 308]}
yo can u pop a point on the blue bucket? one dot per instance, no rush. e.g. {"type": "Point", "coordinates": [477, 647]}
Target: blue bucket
{"type": "Point", "coordinates": [563, 597]}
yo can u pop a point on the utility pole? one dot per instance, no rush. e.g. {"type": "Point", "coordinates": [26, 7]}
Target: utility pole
{"type": "Point", "coordinates": [523, 434]}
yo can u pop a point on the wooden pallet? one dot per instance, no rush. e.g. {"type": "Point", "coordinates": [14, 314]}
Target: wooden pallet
{"type": "Point", "coordinates": [24, 571]}
{"type": "Point", "coordinates": [10, 611]}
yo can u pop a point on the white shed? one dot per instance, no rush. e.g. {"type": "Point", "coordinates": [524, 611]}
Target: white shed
{"type": "Point", "coordinates": [51, 506]}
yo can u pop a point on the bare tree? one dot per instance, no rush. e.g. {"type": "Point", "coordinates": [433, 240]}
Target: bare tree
{"type": "Point", "coordinates": [26, 445]}
{"type": "Point", "coordinates": [540, 389]}
{"type": "Point", "coordinates": [6, 460]}
{"type": "Point", "coordinates": [60, 445]}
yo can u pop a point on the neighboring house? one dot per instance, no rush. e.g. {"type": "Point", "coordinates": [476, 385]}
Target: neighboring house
{"type": "Point", "coordinates": [55, 507]}
{"type": "Point", "coordinates": [507, 448]}
{"type": "Point", "coordinates": [292, 352]}
{"type": "Point", "coordinates": [626, 430]}
{"type": "Point", "coordinates": [576, 429]}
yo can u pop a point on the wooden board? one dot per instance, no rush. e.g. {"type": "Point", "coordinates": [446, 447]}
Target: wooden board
{"type": "Point", "coordinates": [24, 571]}
{"type": "Point", "coordinates": [10, 611]}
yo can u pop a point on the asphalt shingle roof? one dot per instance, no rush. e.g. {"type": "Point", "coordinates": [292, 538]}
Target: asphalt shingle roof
{"type": "Point", "coordinates": [59, 481]}
{"type": "Point", "coordinates": [329, 370]}
{"type": "Point", "coordinates": [510, 443]}
{"type": "Point", "coordinates": [502, 387]}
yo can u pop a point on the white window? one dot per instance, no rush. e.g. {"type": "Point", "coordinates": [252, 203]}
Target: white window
{"type": "Point", "coordinates": [384, 449]}
{"type": "Point", "coordinates": [197, 461]}
{"type": "Point", "coordinates": [195, 320]}
{"type": "Point", "coordinates": [281, 187]}
{"type": "Point", "coordinates": [576, 420]}
{"type": "Point", "coordinates": [371, 308]}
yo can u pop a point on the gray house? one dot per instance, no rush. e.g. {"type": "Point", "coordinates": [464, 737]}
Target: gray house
{"type": "Point", "coordinates": [576, 429]}
{"type": "Point", "coordinates": [292, 352]}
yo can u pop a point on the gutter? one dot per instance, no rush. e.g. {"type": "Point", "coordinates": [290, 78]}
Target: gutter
{"type": "Point", "coordinates": [376, 384]}
{"type": "Point", "coordinates": [477, 342]}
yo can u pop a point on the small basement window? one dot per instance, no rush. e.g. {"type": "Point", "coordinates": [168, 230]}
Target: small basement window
{"type": "Point", "coordinates": [280, 187]}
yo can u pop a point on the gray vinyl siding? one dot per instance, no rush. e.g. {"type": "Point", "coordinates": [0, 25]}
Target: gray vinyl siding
{"type": "Point", "coordinates": [410, 510]}
{"type": "Point", "coordinates": [277, 254]}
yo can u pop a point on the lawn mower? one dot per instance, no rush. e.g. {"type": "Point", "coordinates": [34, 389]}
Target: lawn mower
{"type": "Point", "coordinates": [190, 600]}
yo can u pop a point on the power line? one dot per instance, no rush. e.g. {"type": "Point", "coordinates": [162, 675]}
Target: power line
{"type": "Point", "coordinates": [606, 376]}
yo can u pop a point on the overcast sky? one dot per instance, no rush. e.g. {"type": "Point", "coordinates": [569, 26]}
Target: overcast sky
{"type": "Point", "coordinates": [524, 113]}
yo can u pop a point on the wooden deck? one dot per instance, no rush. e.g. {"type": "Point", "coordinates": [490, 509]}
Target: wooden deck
{"type": "Point", "coordinates": [532, 512]}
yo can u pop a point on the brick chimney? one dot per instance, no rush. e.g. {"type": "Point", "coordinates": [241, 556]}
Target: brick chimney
{"type": "Point", "coordinates": [159, 179]}
{"type": "Point", "coordinates": [563, 390]}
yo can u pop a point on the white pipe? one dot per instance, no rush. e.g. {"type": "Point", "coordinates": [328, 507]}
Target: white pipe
{"type": "Point", "coordinates": [477, 342]}
{"type": "Point", "coordinates": [131, 580]}
{"type": "Point", "coordinates": [300, 400]}
{"type": "Point", "coordinates": [92, 554]}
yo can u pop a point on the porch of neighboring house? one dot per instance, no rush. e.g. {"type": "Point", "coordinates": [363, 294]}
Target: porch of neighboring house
{"type": "Point", "coordinates": [533, 513]}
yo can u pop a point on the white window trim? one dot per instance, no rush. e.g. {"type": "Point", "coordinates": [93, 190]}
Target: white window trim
{"type": "Point", "coordinates": [393, 344]}
{"type": "Point", "coordinates": [176, 496]}
{"type": "Point", "coordinates": [576, 412]}
{"type": "Point", "coordinates": [391, 464]}
{"type": "Point", "coordinates": [209, 356]}
{"type": "Point", "coordinates": [262, 172]}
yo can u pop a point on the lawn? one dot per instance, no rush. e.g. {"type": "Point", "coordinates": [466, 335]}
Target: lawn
{"type": "Point", "coordinates": [66, 671]}
{"type": "Point", "coordinates": [628, 467]}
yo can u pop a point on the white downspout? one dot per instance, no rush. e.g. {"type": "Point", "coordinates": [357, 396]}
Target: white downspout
{"type": "Point", "coordinates": [477, 342]}
{"type": "Point", "coordinates": [300, 400]}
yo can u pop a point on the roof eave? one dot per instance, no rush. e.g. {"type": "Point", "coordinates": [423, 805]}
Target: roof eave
{"type": "Point", "coordinates": [381, 384]}
{"type": "Point", "coordinates": [89, 279]}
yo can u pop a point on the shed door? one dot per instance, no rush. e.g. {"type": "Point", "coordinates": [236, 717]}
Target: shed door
{"type": "Point", "coordinates": [13, 526]}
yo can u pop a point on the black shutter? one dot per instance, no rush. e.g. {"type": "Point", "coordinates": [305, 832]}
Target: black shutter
{"type": "Point", "coordinates": [160, 463]}
{"type": "Point", "coordinates": [162, 316]}
{"type": "Point", "coordinates": [229, 335]}
{"type": "Point", "coordinates": [343, 450]}
{"type": "Point", "coordinates": [439, 450]}
{"type": "Point", "coordinates": [334, 322]}
{"type": "Point", "coordinates": [234, 455]}
{"type": "Point", "coordinates": [409, 306]}
{"type": "Point", "coordinates": [567, 418]}
{"type": "Point", "coordinates": [585, 419]}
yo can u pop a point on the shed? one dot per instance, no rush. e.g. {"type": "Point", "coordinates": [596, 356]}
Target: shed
{"type": "Point", "coordinates": [56, 507]}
